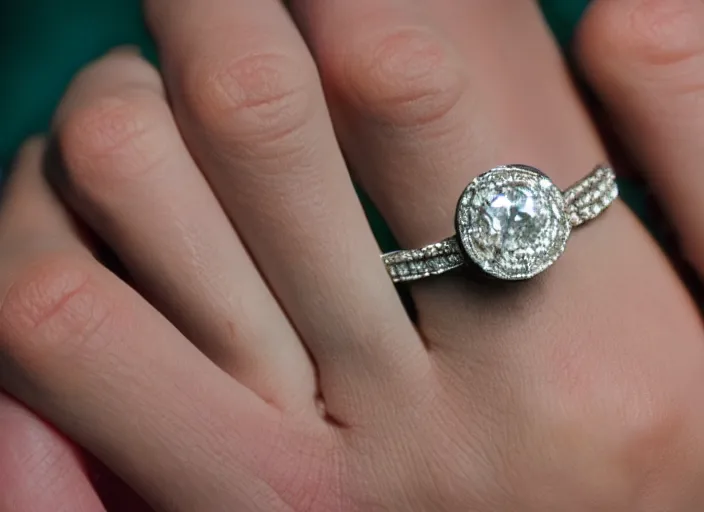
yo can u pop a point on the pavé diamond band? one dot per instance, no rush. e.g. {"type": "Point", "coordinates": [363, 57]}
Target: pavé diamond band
{"type": "Point", "coordinates": [512, 222]}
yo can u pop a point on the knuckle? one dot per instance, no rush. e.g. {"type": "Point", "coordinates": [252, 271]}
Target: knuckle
{"type": "Point", "coordinates": [407, 77]}
{"type": "Point", "coordinates": [654, 441]}
{"type": "Point", "coordinates": [649, 32]}
{"type": "Point", "coordinates": [256, 99]}
{"type": "Point", "coordinates": [113, 139]}
{"type": "Point", "coordinates": [51, 311]}
{"type": "Point", "coordinates": [641, 427]}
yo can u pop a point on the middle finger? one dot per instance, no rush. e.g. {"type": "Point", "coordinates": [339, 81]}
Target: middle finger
{"type": "Point", "coordinates": [250, 105]}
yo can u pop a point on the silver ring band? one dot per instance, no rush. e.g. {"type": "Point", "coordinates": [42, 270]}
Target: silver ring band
{"type": "Point", "coordinates": [512, 222]}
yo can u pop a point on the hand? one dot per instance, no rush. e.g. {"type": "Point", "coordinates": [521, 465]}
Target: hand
{"type": "Point", "coordinates": [266, 363]}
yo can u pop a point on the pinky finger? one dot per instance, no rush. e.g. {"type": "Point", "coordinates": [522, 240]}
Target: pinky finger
{"type": "Point", "coordinates": [645, 59]}
{"type": "Point", "coordinates": [40, 471]}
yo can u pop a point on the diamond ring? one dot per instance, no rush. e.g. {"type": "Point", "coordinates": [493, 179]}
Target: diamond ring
{"type": "Point", "coordinates": [512, 222]}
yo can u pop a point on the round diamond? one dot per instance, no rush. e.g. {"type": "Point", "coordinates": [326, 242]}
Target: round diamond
{"type": "Point", "coordinates": [512, 222]}
{"type": "Point", "coordinates": [511, 218]}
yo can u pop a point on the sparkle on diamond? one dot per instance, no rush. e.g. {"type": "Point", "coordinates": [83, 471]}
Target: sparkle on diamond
{"type": "Point", "coordinates": [512, 223]}
{"type": "Point", "coordinates": [511, 219]}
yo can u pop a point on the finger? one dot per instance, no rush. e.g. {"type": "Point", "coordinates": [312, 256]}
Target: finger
{"type": "Point", "coordinates": [88, 354]}
{"type": "Point", "coordinates": [428, 98]}
{"type": "Point", "coordinates": [27, 197]}
{"type": "Point", "coordinates": [424, 107]}
{"type": "Point", "coordinates": [129, 174]}
{"type": "Point", "coordinates": [646, 61]}
{"type": "Point", "coordinates": [39, 469]}
{"type": "Point", "coordinates": [252, 110]}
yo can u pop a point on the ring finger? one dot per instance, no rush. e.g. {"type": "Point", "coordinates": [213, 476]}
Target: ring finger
{"type": "Point", "coordinates": [426, 99]}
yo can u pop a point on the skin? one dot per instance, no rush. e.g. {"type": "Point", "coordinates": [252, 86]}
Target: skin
{"type": "Point", "coordinates": [259, 359]}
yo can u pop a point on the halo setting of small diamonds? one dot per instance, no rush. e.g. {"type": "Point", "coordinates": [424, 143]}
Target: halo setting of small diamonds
{"type": "Point", "coordinates": [511, 222]}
